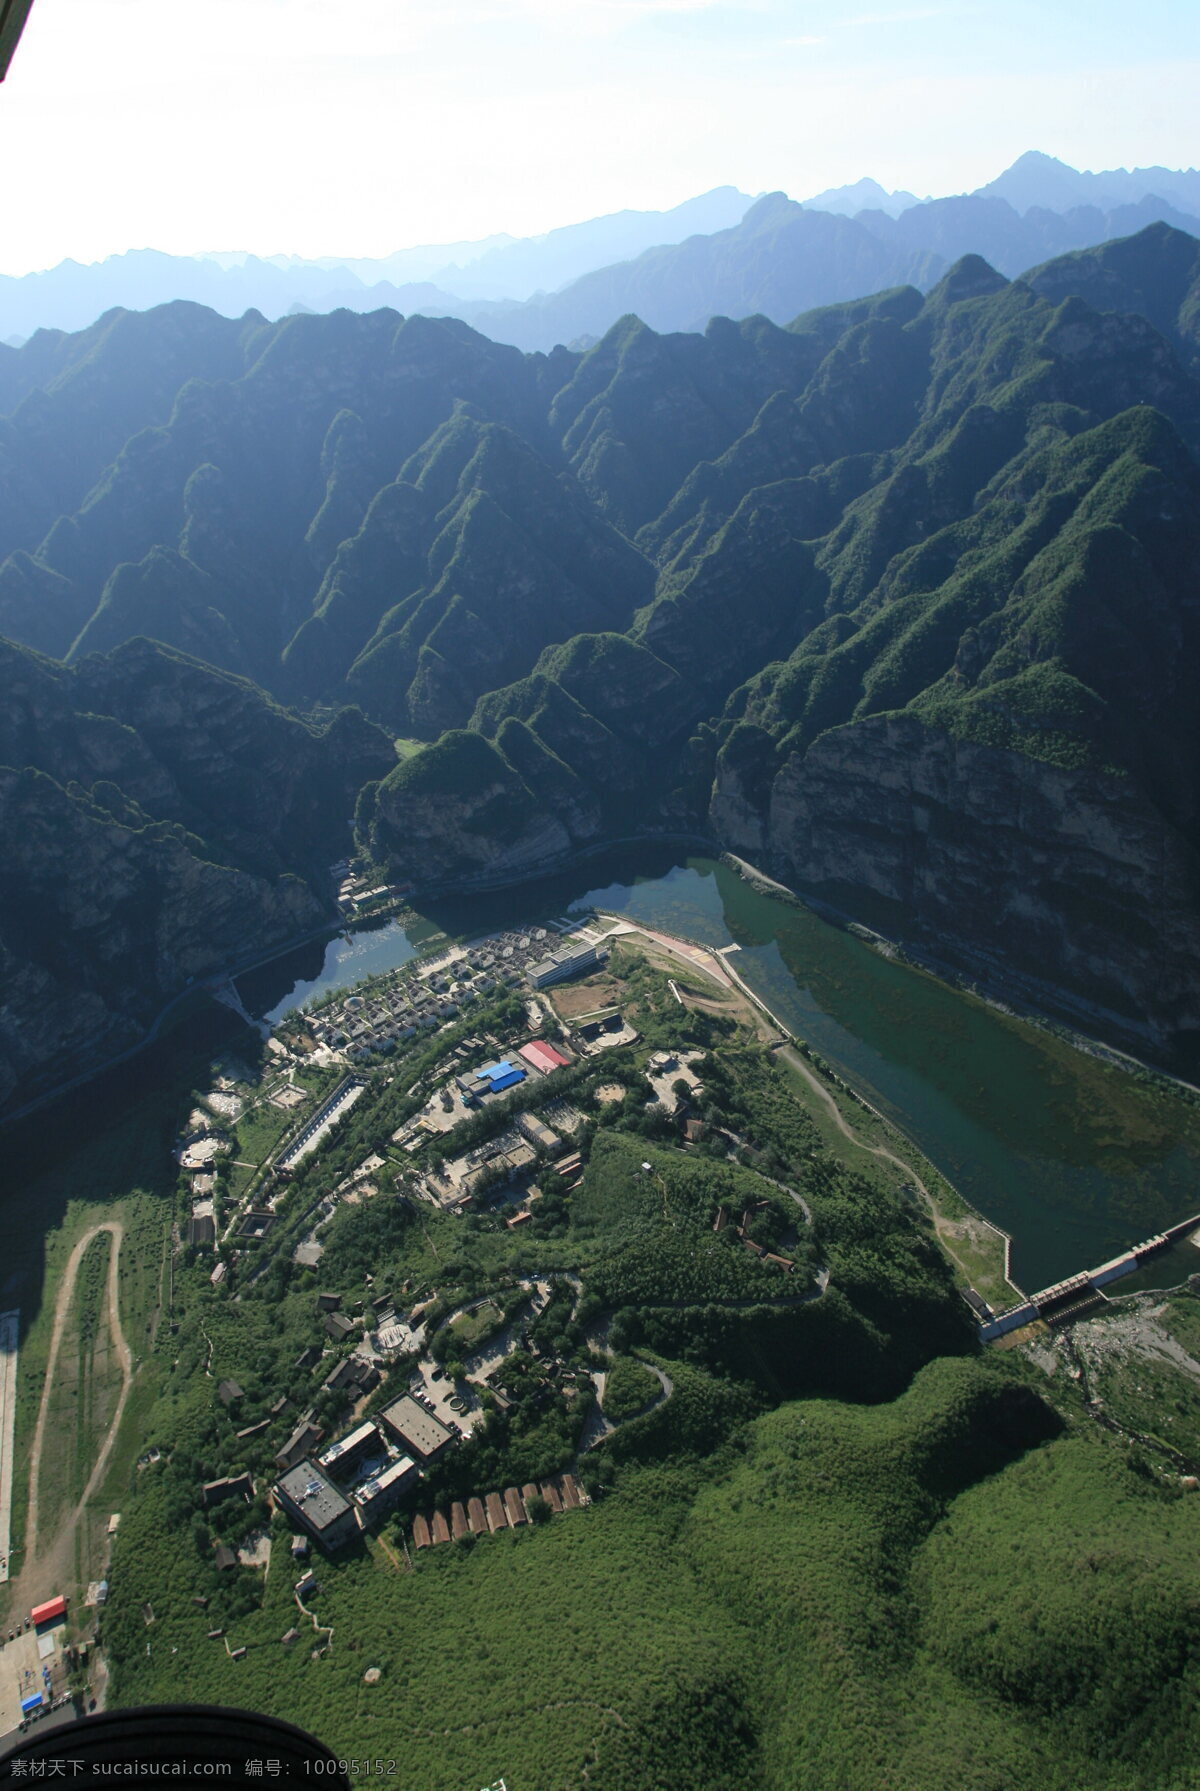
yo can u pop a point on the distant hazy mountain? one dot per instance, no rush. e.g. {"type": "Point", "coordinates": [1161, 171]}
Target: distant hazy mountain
{"type": "Point", "coordinates": [1041, 180]}
{"type": "Point", "coordinates": [864, 195]}
{"type": "Point", "coordinates": [1036, 180]}
{"type": "Point", "coordinates": [72, 296]}
{"type": "Point", "coordinates": [785, 258]}
{"type": "Point", "coordinates": [419, 263]}
{"type": "Point", "coordinates": [720, 254]}
{"type": "Point", "coordinates": [544, 263]}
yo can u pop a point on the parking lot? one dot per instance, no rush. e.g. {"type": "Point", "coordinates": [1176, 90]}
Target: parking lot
{"type": "Point", "coordinates": [439, 1392]}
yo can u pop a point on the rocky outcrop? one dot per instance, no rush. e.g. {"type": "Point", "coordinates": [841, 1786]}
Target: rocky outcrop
{"type": "Point", "coordinates": [161, 821]}
{"type": "Point", "coordinates": [462, 813]}
{"type": "Point", "coordinates": [1068, 881]}
{"type": "Point", "coordinates": [103, 922]}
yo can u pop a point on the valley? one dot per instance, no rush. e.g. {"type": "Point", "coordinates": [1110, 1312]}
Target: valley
{"type": "Point", "coordinates": [1072, 1155]}
{"type": "Point", "coordinates": [582, 931]}
{"type": "Point", "coordinates": [892, 602]}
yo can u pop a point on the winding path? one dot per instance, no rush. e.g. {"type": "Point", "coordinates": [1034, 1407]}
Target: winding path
{"type": "Point", "coordinates": [599, 1425]}
{"type": "Point", "coordinates": [64, 1537]}
{"type": "Point", "coordinates": [839, 1119]}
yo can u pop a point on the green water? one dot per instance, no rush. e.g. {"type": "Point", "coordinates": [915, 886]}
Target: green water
{"type": "Point", "coordinates": [1075, 1159]}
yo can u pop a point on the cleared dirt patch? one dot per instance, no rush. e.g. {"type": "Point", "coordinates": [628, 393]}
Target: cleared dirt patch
{"type": "Point", "coordinates": [52, 1559]}
{"type": "Point", "coordinates": [85, 1390]}
{"type": "Point", "coordinates": [587, 996]}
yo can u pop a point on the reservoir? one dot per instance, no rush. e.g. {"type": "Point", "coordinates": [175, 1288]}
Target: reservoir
{"type": "Point", "coordinates": [312, 971]}
{"type": "Point", "coordinates": [1074, 1158]}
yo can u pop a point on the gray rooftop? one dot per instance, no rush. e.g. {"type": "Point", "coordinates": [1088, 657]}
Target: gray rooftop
{"type": "Point", "coordinates": [309, 1491]}
{"type": "Point", "coordinates": [417, 1426]}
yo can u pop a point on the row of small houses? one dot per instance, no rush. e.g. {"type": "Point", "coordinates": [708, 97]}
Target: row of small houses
{"type": "Point", "coordinates": [497, 1511]}
{"type": "Point", "coordinates": [363, 1024]}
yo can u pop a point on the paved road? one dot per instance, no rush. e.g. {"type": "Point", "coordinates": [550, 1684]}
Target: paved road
{"type": "Point", "coordinates": [598, 1425]}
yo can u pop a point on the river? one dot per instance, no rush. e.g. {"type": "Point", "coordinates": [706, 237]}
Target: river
{"type": "Point", "coordinates": [1074, 1158]}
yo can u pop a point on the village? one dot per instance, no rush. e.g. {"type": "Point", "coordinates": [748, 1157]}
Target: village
{"type": "Point", "coordinates": [505, 1039]}
{"type": "Point", "coordinates": [332, 1483]}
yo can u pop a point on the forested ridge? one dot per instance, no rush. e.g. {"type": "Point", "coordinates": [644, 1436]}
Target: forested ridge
{"type": "Point", "coordinates": [897, 602]}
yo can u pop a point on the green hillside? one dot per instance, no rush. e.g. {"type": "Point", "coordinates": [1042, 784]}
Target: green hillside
{"type": "Point", "coordinates": [162, 821]}
{"type": "Point", "coordinates": [896, 602]}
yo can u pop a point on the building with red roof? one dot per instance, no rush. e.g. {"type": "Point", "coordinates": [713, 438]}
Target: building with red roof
{"type": "Point", "coordinates": [543, 1057]}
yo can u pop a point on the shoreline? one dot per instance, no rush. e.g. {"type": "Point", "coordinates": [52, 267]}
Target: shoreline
{"type": "Point", "coordinates": [1030, 1014]}
{"type": "Point", "coordinates": [961, 981]}
{"type": "Point", "coordinates": [719, 964]}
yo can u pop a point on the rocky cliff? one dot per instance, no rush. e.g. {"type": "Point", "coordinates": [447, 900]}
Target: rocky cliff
{"type": "Point", "coordinates": [951, 669]}
{"type": "Point", "coordinates": [1067, 882]}
{"type": "Point", "coordinates": [103, 921]}
{"type": "Point", "coordinates": [161, 821]}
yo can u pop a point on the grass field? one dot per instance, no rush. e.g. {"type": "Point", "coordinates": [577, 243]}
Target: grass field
{"type": "Point", "coordinates": [263, 1126]}
{"type": "Point", "coordinates": [471, 1327]}
{"type": "Point", "coordinates": [103, 1154]}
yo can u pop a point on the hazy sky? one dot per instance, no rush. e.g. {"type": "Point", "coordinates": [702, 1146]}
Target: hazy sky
{"type": "Point", "coordinates": [363, 126]}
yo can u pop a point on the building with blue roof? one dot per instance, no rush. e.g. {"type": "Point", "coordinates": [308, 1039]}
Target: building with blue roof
{"type": "Point", "coordinates": [494, 1078]}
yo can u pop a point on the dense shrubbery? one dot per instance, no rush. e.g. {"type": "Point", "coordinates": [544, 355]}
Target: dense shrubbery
{"type": "Point", "coordinates": [628, 1386]}
{"type": "Point", "coordinates": [934, 1591]}
{"type": "Point", "coordinates": [702, 1411]}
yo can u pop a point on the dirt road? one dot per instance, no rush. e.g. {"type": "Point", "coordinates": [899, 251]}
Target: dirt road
{"type": "Point", "coordinates": [10, 1330]}
{"type": "Point", "coordinates": [56, 1561]}
{"type": "Point", "coordinates": [839, 1119]}
{"type": "Point", "coordinates": [949, 1231]}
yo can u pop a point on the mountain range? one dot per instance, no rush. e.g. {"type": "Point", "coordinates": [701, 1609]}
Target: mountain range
{"type": "Point", "coordinates": [676, 268]}
{"type": "Point", "coordinates": [783, 258]}
{"type": "Point", "coordinates": [898, 602]}
{"type": "Point", "coordinates": [161, 822]}
{"type": "Point", "coordinates": [71, 295]}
